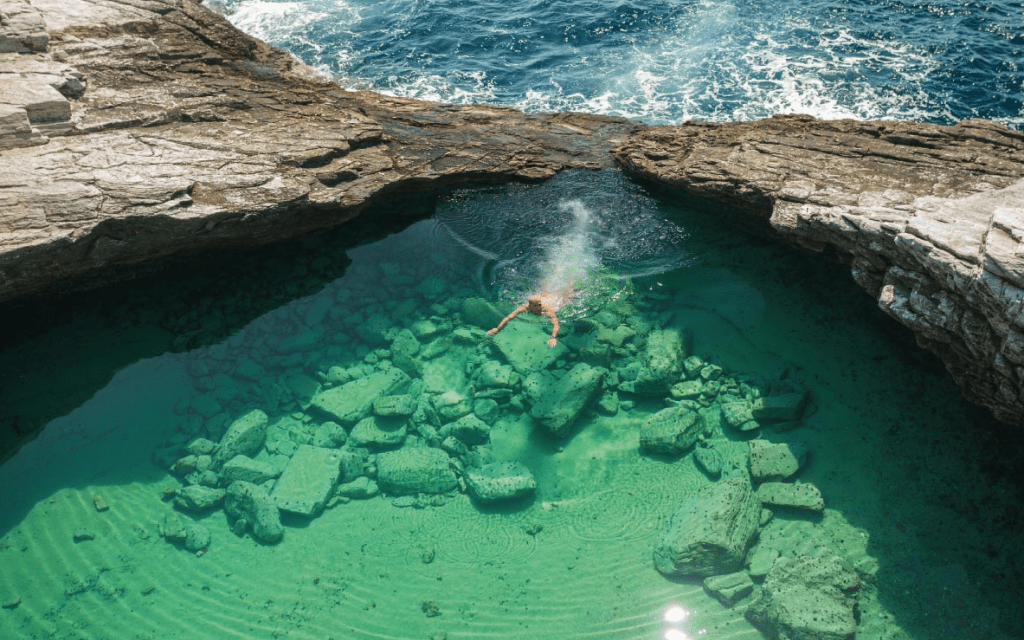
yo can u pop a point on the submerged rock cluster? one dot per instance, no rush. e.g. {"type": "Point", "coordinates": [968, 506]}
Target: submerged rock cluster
{"type": "Point", "coordinates": [377, 386]}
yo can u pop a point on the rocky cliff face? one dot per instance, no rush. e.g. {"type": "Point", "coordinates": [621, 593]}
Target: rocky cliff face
{"type": "Point", "coordinates": [930, 219]}
{"type": "Point", "coordinates": [131, 130]}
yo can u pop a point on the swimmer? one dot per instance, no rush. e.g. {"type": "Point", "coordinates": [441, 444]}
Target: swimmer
{"type": "Point", "coordinates": [535, 305]}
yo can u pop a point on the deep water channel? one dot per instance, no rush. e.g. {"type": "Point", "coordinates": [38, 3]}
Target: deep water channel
{"type": "Point", "coordinates": [101, 539]}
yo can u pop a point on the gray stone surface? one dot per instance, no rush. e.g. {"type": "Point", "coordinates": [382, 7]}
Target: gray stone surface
{"type": "Point", "coordinates": [673, 430]}
{"type": "Point", "coordinates": [929, 218]}
{"type": "Point", "coordinates": [244, 437]}
{"type": "Point", "coordinates": [807, 598]}
{"type": "Point", "coordinates": [252, 505]}
{"type": "Point", "coordinates": [710, 531]}
{"type": "Point", "coordinates": [499, 481]}
{"type": "Point", "coordinates": [308, 481]}
{"type": "Point", "coordinates": [780, 408]}
{"type": "Point", "coordinates": [562, 403]}
{"type": "Point", "coordinates": [415, 470]}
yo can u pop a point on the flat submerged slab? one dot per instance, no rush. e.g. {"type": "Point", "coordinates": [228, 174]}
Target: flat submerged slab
{"type": "Point", "coordinates": [308, 481]}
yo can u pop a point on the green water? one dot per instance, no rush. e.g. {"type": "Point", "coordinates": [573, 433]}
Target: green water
{"type": "Point", "coordinates": [919, 491]}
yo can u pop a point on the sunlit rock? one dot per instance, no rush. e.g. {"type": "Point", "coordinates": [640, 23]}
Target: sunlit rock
{"type": "Point", "coordinates": [524, 345]}
{"type": "Point", "coordinates": [245, 436]}
{"type": "Point", "coordinates": [807, 598]}
{"type": "Point", "coordinates": [673, 430]}
{"type": "Point", "coordinates": [308, 481]}
{"type": "Point", "coordinates": [499, 481]}
{"type": "Point", "coordinates": [252, 508]}
{"type": "Point", "coordinates": [772, 462]}
{"type": "Point", "coordinates": [800, 495]}
{"type": "Point", "coordinates": [561, 404]}
{"type": "Point", "coordinates": [710, 531]}
{"type": "Point", "coordinates": [415, 470]}
{"type": "Point", "coordinates": [661, 363]}
{"type": "Point", "coordinates": [353, 400]}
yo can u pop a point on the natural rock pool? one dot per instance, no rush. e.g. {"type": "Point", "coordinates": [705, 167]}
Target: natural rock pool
{"type": "Point", "coordinates": [320, 440]}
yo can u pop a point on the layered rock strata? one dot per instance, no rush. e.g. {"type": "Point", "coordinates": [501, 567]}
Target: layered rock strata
{"type": "Point", "coordinates": [930, 219]}
{"type": "Point", "coordinates": [132, 130]}
{"type": "Point", "coordinates": [143, 129]}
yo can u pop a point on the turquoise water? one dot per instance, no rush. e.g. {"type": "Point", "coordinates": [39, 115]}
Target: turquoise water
{"type": "Point", "coordinates": [920, 494]}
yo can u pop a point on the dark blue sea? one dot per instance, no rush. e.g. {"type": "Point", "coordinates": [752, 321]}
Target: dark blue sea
{"type": "Point", "coordinates": [668, 61]}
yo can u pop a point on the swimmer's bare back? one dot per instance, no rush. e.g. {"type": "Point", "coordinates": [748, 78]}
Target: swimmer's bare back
{"type": "Point", "coordinates": [535, 306]}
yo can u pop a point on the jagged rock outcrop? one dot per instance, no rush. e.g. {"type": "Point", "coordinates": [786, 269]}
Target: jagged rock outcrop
{"type": "Point", "coordinates": [191, 135]}
{"type": "Point", "coordinates": [930, 218]}
{"type": "Point", "coordinates": [132, 130]}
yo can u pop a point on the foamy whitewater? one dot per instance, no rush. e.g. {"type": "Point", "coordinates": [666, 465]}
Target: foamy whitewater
{"type": "Point", "coordinates": [667, 61]}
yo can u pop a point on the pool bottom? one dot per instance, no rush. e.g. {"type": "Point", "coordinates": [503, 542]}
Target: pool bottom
{"type": "Point", "coordinates": [896, 454]}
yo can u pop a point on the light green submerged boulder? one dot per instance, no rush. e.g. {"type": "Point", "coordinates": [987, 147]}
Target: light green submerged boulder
{"type": "Point", "coordinates": [710, 531]}
{"type": "Point", "coordinates": [244, 437]}
{"type": "Point", "coordinates": [807, 598]}
{"type": "Point", "coordinates": [524, 345]}
{"type": "Point", "coordinates": [560, 405]}
{"type": "Point", "coordinates": [661, 363]}
{"type": "Point", "coordinates": [308, 481]}
{"type": "Point", "coordinates": [353, 400]}
{"type": "Point", "coordinates": [251, 507]}
{"type": "Point", "coordinates": [415, 470]}
{"type": "Point", "coordinates": [673, 430]}
{"type": "Point", "coordinates": [499, 481]}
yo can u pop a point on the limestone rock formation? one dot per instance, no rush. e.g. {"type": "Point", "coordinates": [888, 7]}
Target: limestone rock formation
{"type": "Point", "coordinates": [134, 131]}
{"type": "Point", "coordinates": [928, 217]}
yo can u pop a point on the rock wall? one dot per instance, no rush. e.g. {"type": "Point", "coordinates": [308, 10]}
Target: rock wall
{"type": "Point", "coordinates": [930, 218]}
{"type": "Point", "coordinates": [131, 130]}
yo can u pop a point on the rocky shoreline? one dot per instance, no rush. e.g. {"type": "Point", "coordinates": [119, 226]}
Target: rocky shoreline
{"type": "Point", "coordinates": [136, 130]}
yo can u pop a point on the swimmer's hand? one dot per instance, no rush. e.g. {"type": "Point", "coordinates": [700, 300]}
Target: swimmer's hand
{"type": "Point", "coordinates": [552, 342]}
{"type": "Point", "coordinates": [492, 331]}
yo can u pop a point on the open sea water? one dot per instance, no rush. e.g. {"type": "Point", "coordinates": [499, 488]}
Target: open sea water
{"type": "Point", "coordinates": [665, 62]}
{"type": "Point", "coordinates": [104, 528]}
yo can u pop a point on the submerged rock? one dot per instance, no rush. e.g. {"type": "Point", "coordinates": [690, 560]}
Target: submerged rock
{"type": "Point", "coordinates": [770, 462]}
{"type": "Point", "coordinates": [673, 430]}
{"type": "Point", "coordinates": [308, 481]}
{"type": "Point", "coordinates": [710, 531]}
{"type": "Point", "coordinates": [661, 363]}
{"type": "Point", "coordinates": [353, 400]}
{"type": "Point", "coordinates": [415, 470]}
{"type": "Point", "coordinates": [524, 345]}
{"type": "Point", "coordinates": [499, 481]}
{"type": "Point", "coordinates": [244, 437]}
{"type": "Point", "coordinates": [561, 404]}
{"type": "Point", "coordinates": [802, 495]}
{"type": "Point", "coordinates": [378, 433]}
{"type": "Point", "coordinates": [807, 598]}
{"type": "Point", "coordinates": [252, 506]}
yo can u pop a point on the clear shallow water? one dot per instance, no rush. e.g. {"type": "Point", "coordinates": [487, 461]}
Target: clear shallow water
{"type": "Point", "coordinates": [668, 61]}
{"type": "Point", "coordinates": [919, 494]}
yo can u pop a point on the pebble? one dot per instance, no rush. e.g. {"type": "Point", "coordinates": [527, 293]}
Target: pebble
{"type": "Point", "coordinates": [82, 535]}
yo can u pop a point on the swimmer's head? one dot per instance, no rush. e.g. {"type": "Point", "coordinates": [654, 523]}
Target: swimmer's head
{"type": "Point", "coordinates": [533, 304]}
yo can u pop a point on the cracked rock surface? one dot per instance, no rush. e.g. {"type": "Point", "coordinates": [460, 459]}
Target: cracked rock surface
{"type": "Point", "coordinates": [930, 219]}
{"type": "Point", "coordinates": [132, 130]}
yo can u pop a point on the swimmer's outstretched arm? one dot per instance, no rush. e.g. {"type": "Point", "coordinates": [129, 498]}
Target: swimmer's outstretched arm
{"type": "Point", "coordinates": [554, 327]}
{"type": "Point", "coordinates": [521, 308]}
